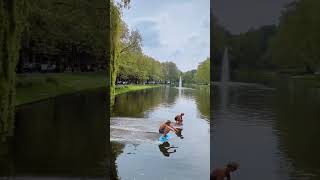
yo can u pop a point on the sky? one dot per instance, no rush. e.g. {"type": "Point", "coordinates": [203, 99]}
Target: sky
{"type": "Point", "coordinates": [172, 30]}
{"type": "Point", "coordinates": [241, 15]}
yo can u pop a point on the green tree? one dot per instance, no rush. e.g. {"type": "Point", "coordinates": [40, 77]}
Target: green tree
{"type": "Point", "coordinates": [170, 71]}
{"type": "Point", "coordinates": [115, 34]}
{"type": "Point", "coordinates": [249, 49]}
{"type": "Point", "coordinates": [129, 63]}
{"type": "Point", "coordinates": [203, 72]}
{"type": "Point", "coordinates": [297, 43]}
{"type": "Point", "coordinates": [189, 77]}
{"type": "Point", "coordinates": [60, 30]}
{"type": "Point", "coordinates": [130, 41]}
{"type": "Point", "coordinates": [12, 23]}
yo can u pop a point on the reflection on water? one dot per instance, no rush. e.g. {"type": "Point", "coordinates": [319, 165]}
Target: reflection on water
{"type": "Point", "coordinates": [179, 133]}
{"type": "Point", "coordinates": [297, 107]}
{"type": "Point", "coordinates": [59, 137]}
{"type": "Point", "coordinates": [202, 97]}
{"type": "Point", "coordinates": [135, 124]}
{"type": "Point", "coordinates": [270, 132]}
{"type": "Point", "coordinates": [166, 149]}
{"type": "Point", "coordinates": [143, 100]}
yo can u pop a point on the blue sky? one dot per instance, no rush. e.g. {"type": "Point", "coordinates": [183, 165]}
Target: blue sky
{"type": "Point", "coordinates": [172, 30]}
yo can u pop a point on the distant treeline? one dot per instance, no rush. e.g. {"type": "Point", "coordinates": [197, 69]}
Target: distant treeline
{"type": "Point", "coordinates": [128, 64]}
{"type": "Point", "coordinates": [49, 35]}
{"type": "Point", "coordinates": [292, 46]}
{"type": "Point", "coordinates": [131, 65]}
{"type": "Point", "coordinates": [135, 67]}
{"type": "Point", "coordinates": [64, 36]}
{"type": "Point", "coordinates": [201, 75]}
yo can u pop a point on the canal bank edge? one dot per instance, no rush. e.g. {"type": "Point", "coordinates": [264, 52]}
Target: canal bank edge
{"type": "Point", "coordinates": [36, 87]}
{"type": "Point", "coordinates": [121, 89]}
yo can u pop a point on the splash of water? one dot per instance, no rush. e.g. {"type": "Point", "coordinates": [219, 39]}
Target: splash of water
{"type": "Point", "coordinates": [134, 130]}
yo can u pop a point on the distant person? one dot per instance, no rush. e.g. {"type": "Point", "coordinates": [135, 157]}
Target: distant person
{"type": "Point", "coordinates": [179, 119]}
{"type": "Point", "coordinates": [222, 173]}
{"type": "Point", "coordinates": [166, 127]}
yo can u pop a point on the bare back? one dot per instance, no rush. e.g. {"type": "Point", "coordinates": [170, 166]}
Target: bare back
{"type": "Point", "coordinates": [162, 126]}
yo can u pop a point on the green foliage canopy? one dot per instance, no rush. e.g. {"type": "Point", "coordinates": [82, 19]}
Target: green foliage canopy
{"type": "Point", "coordinates": [297, 43]}
{"type": "Point", "coordinates": [203, 72]}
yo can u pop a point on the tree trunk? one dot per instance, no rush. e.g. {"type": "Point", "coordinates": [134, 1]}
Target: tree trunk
{"type": "Point", "coordinates": [11, 13]}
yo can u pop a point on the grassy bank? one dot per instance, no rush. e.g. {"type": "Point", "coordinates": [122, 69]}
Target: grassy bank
{"type": "Point", "coordinates": [255, 76]}
{"type": "Point", "coordinates": [271, 78]}
{"type": "Point", "coordinates": [308, 80]}
{"type": "Point", "coordinates": [33, 87]}
{"type": "Point", "coordinates": [127, 88]}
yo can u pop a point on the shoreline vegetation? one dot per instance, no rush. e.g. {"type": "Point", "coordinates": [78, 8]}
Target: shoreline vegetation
{"type": "Point", "coordinates": [270, 78]}
{"type": "Point", "coordinates": [287, 51]}
{"type": "Point", "coordinates": [121, 89]}
{"type": "Point", "coordinates": [37, 86]}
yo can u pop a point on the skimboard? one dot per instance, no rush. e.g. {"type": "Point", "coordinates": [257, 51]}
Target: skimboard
{"type": "Point", "coordinates": [165, 138]}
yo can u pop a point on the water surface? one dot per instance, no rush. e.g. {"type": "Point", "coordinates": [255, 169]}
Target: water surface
{"type": "Point", "coordinates": [59, 138]}
{"type": "Point", "coordinates": [135, 124]}
{"type": "Point", "coordinates": [271, 132]}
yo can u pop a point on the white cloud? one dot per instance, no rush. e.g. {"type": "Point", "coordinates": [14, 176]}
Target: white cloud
{"type": "Point", "coordinates": [175, 30]}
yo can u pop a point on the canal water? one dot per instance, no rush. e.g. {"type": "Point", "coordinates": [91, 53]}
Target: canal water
{"type": "Point", "coordinates": [271, 132]}
{"type": "Point", "coordinates": [59, 138]}
{"type": "Point", "coordinates": [134, 134]}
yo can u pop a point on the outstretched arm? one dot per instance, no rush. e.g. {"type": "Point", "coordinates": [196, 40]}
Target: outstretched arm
{"type": "Point", "coordinates": [176, 130]}
{"type": "Point", "coordinates": [172, 128]}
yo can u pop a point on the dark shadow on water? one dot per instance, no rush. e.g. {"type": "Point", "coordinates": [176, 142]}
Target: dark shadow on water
{"type": "Point", "coordinates": [116, 150]}
{"type": "Point", "coordinates": [202, 97]}
{"type": "Point", "coordinates": [297, 105]}
{"type": "Point", "coordinates": [65, 136]}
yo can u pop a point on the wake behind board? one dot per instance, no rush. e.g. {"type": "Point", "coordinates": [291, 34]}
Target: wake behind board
{"type": "Point", "coordinates": [165, 138]}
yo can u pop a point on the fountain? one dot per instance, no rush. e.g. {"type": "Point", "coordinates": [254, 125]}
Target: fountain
{"type": "Point", "coordinates": [225, 74]}
{"type": "Point", "coordinates": [180, 86]}
{"type": "Point", "coordinates": [225, 78]}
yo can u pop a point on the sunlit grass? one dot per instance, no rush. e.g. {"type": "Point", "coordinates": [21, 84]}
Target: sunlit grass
{"type": "Point", "coordinates": [127, 88]}
{"type": "Point", "coordinates": [33, 87]}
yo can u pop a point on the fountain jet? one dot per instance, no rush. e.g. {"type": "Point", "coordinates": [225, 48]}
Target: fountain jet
{"type": "Point", "coordinates": [225, 74]}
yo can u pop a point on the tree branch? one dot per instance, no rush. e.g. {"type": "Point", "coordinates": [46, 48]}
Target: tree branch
{"type": "Point", "coordinates": [126, 48]}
